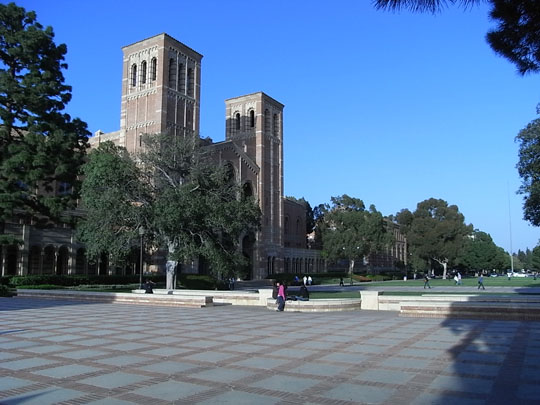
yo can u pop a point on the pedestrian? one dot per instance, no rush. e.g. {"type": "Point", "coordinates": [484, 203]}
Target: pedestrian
{"type": "Point", "coordinates": [281, 297]}
{"type": "Point", "coordinates": [304, 294]}
{"type": "Point", "coordinates": [456, 280]}
{"type": "Point", "coordinates": [231, 283]}
{"type": "Point", "coordinates": [481, 282]}
{"type": "Point", "coordinates": [309, 280]}
{"type": "Point", "coordinates": [341, 282]}
{"type": "Point", "coordinates": [148, 287]}
{"type": "Point", "coordinates": [305, 280]}
{"type": "Point", "coordinates": [459, 278]}
{"type": "Point", "coordinates": [426, 281]}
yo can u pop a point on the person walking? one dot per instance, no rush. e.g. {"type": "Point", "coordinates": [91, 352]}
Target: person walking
{"type": "Point", "coordinates": [426, 281]}
{"type": "Point", "coordinates": [481, 282]}
{"type": "Point", "coordinates": [281, 297]}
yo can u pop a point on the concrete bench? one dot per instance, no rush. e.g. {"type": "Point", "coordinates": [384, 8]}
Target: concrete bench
{"type": "Point", "coordinates": [318, 305]}
{"type": "Point", "coordinates": [122, 298]}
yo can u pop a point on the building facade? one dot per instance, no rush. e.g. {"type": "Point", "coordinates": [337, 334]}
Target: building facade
{"type": "Point", "coordinates": [161, 93]}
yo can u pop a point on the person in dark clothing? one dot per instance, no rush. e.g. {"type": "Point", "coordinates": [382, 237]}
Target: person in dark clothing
{"type": "Point", "coordinates": [148, 287]}
{"type": "Point", "coordinates": [304, 294]}
{"type": "Point", "coordinates": [426, 281]}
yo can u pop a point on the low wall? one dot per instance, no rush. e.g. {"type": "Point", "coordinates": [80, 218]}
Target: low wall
{"type": "Point", "coordinates": [121, 298]}
{"type": "Point", "coordinates": [250, 298]}
{"type": "Point", "coordinates": [319, 305]}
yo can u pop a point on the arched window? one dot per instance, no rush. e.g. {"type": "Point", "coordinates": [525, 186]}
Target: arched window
{"type": "Point", "coordinates": [230, 173]}
{"type": "Point", "coordinates": [237, 121]}
{"type": "Point", "coordinates": [33, 260]}
{"type": "Point", "coordinates": [153, 69]}
{"type": "Point", "coordinates": [172, 73]}
{"type": "Point", "coordinates": [182, 79]}
{"type": "Point", "coordinates": [133, 75]}
{"type": "Point", "coordinates": [275, 124]}
{"type": "Point", "coordinates": [143, 72]}
{"type": "Point", "coordinates": [252, 118]}
{"type": "Point", "coordinates": [190, 83]}
{"type": "Point", "coordinates": [80, 261]}
{"type": "Point", "coordinates": [298, 226]}
{"type": "Point", "coordinates": [286, 225]}
{"type": "Point", "coordinates": [247, 190]}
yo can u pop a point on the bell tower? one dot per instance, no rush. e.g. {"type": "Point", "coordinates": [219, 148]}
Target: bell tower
{"type": "Point", "coordinates": [255, 124]}
{"type": "Point", "coordinates": [161, 80]}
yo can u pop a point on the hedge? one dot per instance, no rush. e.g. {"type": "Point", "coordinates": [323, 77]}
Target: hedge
{"type": "Point", "coordinates": [73, 281]}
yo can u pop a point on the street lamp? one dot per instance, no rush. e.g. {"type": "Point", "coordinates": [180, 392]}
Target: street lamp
{"type": "Point", "coordinates": [141, 234]}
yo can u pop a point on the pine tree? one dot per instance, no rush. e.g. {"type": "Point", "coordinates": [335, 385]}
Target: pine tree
{"type": "Point", "coordinates": [41, 146]}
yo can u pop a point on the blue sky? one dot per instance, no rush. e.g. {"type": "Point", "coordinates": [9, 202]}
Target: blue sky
{"type": "Point", "coordinates": [392, 108]}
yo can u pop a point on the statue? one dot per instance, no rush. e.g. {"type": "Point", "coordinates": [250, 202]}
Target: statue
{"type": "Point", "coordinates": [170, 267]}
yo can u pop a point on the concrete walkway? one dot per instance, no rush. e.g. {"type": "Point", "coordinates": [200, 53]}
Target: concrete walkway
{"type": "Point", "coordinates": [68, 352]}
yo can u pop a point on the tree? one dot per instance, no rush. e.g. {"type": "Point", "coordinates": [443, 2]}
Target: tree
{"type": "Point", "coordinates": [517, 36]}
{"type": "Point", "coordinates": [535, 260]}
{"type": "Point", "coordinates": [115, 203]}
{"type": "Point", "coordinates": [41, 147]}
{"type": "Point", "coordinates": [435, 231]}
{"type": "Point", "coordinates": [351, 232]}
{"type": "Point", "coordinates": [189, 206]}
{"type": "Point", "coordinates": [529, 170]}
{"type": "Point", "coordinates": [480, 253]}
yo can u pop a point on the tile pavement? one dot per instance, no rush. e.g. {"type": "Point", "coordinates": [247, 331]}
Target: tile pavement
{"type": "Point", "coordinates": [65, 352]}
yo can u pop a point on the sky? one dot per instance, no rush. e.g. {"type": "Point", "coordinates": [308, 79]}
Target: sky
{"type": "Point", "coordinates": [392, 108]}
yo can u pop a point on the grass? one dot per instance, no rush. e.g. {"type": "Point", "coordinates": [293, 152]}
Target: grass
{"type": "Point", "coordinates": [467, 282]}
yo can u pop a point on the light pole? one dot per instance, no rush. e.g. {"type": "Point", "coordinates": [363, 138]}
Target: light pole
{"type": "Point", "coordinates": [141, 234]}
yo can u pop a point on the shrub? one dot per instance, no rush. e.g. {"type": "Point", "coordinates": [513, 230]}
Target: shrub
{"type": "Point", "coordinates": [73, 281]}
{"type": "Point", "coordinates": [5, 291]}
{"type": "Point", "coordinates": [200, 282]}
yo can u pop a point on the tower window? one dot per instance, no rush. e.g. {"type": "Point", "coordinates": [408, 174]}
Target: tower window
{"type": "Point", "coordinates": [182, 79]}
{"type": "Point", "coordinates": [237, 121]}
{"type": "Point", "coordinates": [133, 75]}
{"type": "Point", "coordinates": [153, 69]}
{"type": "Point", "coordinates": [275, 124]}
{"type": "Point", "coordinates": [266, 120]}
{"type": "Point", "coordinates": [172, 73]}
{"type": "Point", "coordinates": [143, 72]}
{"type": "Point", "coordinates": [190, 82]}
{"type": "Point", "coordinates": [252, 118]}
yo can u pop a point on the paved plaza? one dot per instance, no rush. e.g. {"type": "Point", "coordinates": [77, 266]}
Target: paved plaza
{"type": "Point", "coordinates": [83, 353]}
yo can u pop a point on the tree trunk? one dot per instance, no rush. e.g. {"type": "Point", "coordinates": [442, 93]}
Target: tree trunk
{"type": "Point", "coordinates": [444, 264]}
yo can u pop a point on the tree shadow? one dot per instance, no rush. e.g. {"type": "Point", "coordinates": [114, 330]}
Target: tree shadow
{"type": "Point", "coordinates": [492, 359]}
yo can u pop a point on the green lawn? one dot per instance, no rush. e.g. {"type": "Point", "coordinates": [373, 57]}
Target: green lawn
{"type": "Point", "coordinates": [469, 282]}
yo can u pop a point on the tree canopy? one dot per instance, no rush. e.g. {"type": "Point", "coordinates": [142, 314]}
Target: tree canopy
{"type": "Point", "coordinates": [529, 170]}
{"type": "Point", "coordinates": [481, 253]}
{"type": "Point", "coordinates": [187, 204]}
{"type": "Point", "coordinates": [435, 231]}
{"type": "Point", "coordinates": [41, 147]}
{"type": "Point", "coordinates": [351, 232]}
{"type": "Point", "coordinates": [516, 37]}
